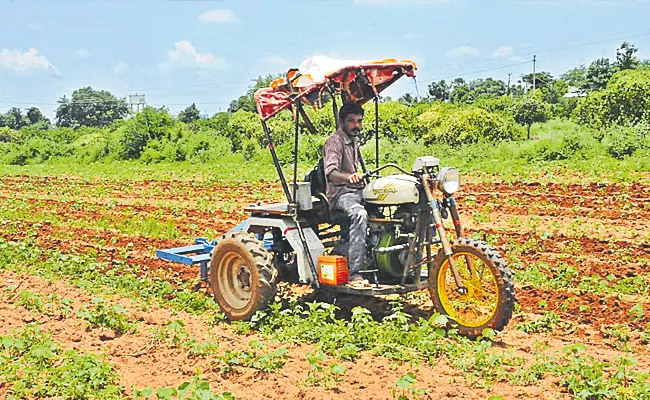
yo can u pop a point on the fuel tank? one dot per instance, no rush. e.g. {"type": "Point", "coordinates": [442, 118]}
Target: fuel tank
{"type": "Point", "coordinates": [393, 189]}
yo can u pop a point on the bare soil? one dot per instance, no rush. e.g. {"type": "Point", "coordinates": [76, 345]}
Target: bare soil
{"type": "Point", "coordinates": [611, 237]}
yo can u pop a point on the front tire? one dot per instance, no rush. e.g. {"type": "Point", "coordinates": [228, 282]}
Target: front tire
{"type": "Point", "coordinates": [242, 275]}
{"type": "Point", "coordinates": [490, 299]}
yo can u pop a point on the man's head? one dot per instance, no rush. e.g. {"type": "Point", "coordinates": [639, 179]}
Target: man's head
{"type": "Point", "coordinates": [351, 118]}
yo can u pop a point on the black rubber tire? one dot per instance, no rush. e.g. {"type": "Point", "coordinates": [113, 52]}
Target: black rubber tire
{"type": "Point", "coordinates": [255, 261]}
{"type": "Point", "coordinates": [504, 281]}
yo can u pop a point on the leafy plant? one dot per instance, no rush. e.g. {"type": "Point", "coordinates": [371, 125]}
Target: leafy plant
{"type": "Point", "coordinates": [546, 323]}
{"type": "Point", "coordinates": [35, 366]}
{"type": "Point", "coordinates": [320, 374]}
{"type": "Point", "coordinates": [198, 388]}
{"type": "Point", "coordinates": [113, 317]}
{"type": "Point", "coordinates": [405, 388]}
{"type": "Point", "coordinates": [256, 358]}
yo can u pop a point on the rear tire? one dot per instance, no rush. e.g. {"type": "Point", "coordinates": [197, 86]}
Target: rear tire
{"type": "Point", "coordinates": [242, 275]}
{"type": "Point", "coordinates": [491, 290]}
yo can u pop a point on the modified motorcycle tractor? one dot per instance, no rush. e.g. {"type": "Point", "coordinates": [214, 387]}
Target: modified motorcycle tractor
{"type": "Point", "coordinates": [304, 241]}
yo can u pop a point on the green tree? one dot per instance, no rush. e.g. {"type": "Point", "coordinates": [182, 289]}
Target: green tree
{"type": "Point", "coordinates": [527, 110]}
{"type": "Point", "coordinates": [625, 58]}
{"type": "Point", "coordinates": [486, 88]}
{"type": "Point", "coordinates": [478, 88]}
{"type": "Point", "coordinates": [34, 115]}
{"type": "Point", "coordinates": [247, 102]}
{"type": "Point", "coordinates": [190, 114]}
{"type": "Point", "coordinates": [459, 89]}
{"type": "Point", "coordinates": [88, 107]}
{"type": "Point", "coordinates": [13, 119]}
{"type": "Point", "coordinates": [439, 90]}
{"type": "Point", "coordinates": [576, 77]}
{"type": "Point", "coordinates": [543, 80]}
{"type": "Point", "coordinates": [554, 92]}
{"type": "Point", "coordinates": [599, 73]}
{"type": "Point", "coordinates": [407, 99]}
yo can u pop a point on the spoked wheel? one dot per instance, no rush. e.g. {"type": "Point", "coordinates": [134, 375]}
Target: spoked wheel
{"type": "Point", "coordinates": [242, 275]}
{"type": "Point", "coordinates": [490, 296]}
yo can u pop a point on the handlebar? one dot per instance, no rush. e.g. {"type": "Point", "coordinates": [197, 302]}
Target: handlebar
{"type": "Point", "coordinates": [373, 173]}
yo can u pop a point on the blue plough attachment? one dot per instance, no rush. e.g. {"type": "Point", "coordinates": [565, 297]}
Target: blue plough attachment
{"type": "Point", "coordinates": [199, 253]}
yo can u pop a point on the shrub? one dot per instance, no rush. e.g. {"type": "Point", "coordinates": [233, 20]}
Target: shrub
{"type": "Point", "coordinates": [250, 149]}
{"type": "Point", "coordinates": [8, 134]}
{"type": "Point", "coordinates": [205, 146]}
{"type": "Point", "coordinates": [471, 125]}
{"type": "Point", "coordinates": [624, 141]}
{"type": "Point", "coordinates": [625, 101]}
{"type": "Point", "coordinates": [90, 147]}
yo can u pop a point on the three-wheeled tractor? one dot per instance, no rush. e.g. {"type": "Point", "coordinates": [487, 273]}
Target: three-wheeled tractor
{"type": "Point", "coordinates": [408, 247]}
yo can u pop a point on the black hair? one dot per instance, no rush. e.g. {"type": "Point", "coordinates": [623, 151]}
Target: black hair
{"type": "Point", "coordinates": [350, 109]}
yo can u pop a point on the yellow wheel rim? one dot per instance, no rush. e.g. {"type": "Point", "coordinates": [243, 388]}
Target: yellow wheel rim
{"type": "Point", "coordinates": [479, 305]}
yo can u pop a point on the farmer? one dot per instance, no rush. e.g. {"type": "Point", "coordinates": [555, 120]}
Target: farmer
{"type": "Point", "coordinates": [344, 183]}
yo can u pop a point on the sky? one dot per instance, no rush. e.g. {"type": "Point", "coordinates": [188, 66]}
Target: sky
{"type": "Point", "coordinates": [178, 52]}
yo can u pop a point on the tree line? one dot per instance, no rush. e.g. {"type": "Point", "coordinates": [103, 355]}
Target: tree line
{"type": "Point", "coordinates": [94, 124]}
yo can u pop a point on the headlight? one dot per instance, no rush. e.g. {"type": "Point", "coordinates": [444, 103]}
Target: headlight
{"type": "Point", "coordinates": [449, 180]}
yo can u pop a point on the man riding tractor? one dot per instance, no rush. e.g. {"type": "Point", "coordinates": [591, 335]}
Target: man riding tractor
{"type": "Point", "coordinates": [345, 185]}
{"type": "Point", "coordinates": [391, 223]}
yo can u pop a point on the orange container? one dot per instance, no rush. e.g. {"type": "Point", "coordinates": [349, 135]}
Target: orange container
{"type": "Point", "coordinates": [333, 270]}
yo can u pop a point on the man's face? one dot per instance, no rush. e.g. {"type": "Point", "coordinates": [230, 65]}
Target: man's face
{"type": "Point", "coordinates": [352, 125]}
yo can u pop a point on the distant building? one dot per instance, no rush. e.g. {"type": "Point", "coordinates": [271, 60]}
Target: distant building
{"type": "Point", "coordinates": [573, 91]}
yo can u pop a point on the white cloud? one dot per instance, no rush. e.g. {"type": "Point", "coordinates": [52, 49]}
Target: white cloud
{"type": "Point", "coordinates": [275, 60]}
{"type": "Point", "coordinates": [82, 53]}
{"type": "Point", "coordinates": [463, 51]}
{"type": "Point", "coordinates": [121, 68]}
{"type": "Point", "coordinates": [502, 52]}
{"type": "Point", "coordinates": [31, 60]}
{"type": "Point", "coordinates": [185, 55]}
{"type": "Point", "coordinates": [218, 16]}
{"type": "Point", "coordinates": [33, 27]}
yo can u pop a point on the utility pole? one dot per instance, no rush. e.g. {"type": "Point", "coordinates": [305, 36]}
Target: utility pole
{"type": "Point", "coordinates": [534, 60]}
{"type": "Point", "coordinates": [509, 73]}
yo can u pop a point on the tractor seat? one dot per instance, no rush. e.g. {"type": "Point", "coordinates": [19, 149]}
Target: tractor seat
{"type": "Point", "coordinates": [325, 214]}
{"type": "Point", "coordinates": [338, 217]}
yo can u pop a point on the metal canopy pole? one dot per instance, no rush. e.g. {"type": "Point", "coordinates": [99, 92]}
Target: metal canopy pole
{"type": "Point", "coordinates": [376, 131]}
{"type": "Point", "coordinates": [335, 110]}
{"type": "Point", "coordinates": [295, 147]}
{"type": "Point", "coordinates": [301, 233]}
{"type": "Point", "coordinates": [285, 187]}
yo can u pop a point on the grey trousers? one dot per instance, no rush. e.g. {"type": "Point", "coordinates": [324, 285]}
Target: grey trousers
{"type": "Point", "coordinates": [350, 203]}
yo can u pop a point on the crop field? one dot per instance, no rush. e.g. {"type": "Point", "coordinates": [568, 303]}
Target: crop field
{"type": "Point", "coordinates": [87, 310]}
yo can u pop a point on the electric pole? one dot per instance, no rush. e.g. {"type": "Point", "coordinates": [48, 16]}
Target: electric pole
{"type": "Point", "coordinates": [509, 73]}
{"type": "Point", "coordinates": [534, 60]}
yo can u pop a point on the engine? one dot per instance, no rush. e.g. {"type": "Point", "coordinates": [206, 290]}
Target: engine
{"type": "Point", "coordinates": [388, 243]}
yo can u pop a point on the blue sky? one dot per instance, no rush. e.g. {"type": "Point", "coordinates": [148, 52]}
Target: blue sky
{"type": "Point", "coordinates": [207, 52]}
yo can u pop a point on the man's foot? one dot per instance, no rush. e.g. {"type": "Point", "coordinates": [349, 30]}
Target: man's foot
{"type": "Point", "coordinates": [357, 280]}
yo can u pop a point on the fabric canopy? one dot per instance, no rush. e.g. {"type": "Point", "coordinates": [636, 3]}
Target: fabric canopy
{"type": "Point", "coordinates": [356, 81]}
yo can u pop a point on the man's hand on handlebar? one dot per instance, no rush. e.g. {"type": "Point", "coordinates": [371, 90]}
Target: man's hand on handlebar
{"type": "Point", "coordinates": [355, 178]}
